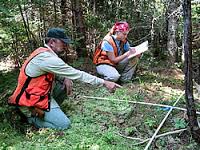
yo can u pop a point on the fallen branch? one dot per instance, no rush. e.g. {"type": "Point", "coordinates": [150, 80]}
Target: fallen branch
{"type": "Point", "coordinates": [129, 137]}
{"type": "Point", "coordinates": [157, 136]}
{"type": "Point", "coordinates": [142, 103]}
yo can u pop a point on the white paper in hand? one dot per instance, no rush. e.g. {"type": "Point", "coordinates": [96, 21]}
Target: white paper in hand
{"type": "Point", "coordinates": [140, 49]}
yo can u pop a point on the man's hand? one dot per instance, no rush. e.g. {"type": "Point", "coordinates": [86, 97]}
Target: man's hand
{"type": "Point", "coordinates": [68, 84]}
{"type": "Point", "coordinates": [37, 112]}
{"type": "Point", "coordinates": [111, 86]}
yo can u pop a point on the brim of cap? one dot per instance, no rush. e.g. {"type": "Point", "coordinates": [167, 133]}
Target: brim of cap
{"type": "Point", "coordinates": [67, 41]}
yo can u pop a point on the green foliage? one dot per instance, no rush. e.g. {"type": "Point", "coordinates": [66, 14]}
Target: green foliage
{"type": "Point", "coordinates": [3, 110]}
{"type": "Point", "coordinates": [8, 82]}
{"type": "Point", "coordinates": [150, 122]}
{"type": "Point", "coordinates": [196, 14]}
{"type": "Point", "coordinates": [179, 123]}
{"type": "Point", "coordinates": [95, 123]}
{"type": "Point", "coordinates": [109, 137]}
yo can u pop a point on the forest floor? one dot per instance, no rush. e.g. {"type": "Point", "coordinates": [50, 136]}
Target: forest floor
{"type": "Point", "coordinates": [112, 123]}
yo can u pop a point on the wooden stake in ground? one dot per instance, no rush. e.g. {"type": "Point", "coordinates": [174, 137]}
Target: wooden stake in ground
{"type": "Point", "coordinates": [187, 48]}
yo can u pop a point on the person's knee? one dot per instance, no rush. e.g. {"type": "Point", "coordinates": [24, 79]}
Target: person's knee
{"type": "Point", "coordinates": [64, 124]}
{"type": "Point", "coordinates": [113, 77]}
{"type": "Point", "coordinates": [60, 124]}
{"type": "Point", "coordinates": [116, 78]}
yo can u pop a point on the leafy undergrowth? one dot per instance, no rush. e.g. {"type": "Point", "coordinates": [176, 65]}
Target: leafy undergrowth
{"type": "Point", "coordinates": [106, 124]}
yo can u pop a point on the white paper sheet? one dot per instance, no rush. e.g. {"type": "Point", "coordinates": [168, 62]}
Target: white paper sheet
{"type": "Point", "coordinates": [140, 49]}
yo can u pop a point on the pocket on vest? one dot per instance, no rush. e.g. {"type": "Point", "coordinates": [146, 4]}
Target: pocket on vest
{"type": "Point", "coordinates": [40, 101]}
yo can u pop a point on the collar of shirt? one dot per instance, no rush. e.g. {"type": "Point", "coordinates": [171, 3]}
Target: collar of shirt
{"type": "Point", "coordinates": [47, 46]}
{"type": "Point", "coordinates": [116, 41]}
{"type": "Point", "coordinates": [117, 44]}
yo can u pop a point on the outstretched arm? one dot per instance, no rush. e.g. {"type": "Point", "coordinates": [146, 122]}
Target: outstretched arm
{"type": "Point", "coordinates": [111, 86]}
{"type": "Point", "coordinates": [46, 62]}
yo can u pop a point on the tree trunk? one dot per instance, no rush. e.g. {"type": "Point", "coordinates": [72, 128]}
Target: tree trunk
{"type": "Point", "coordinates": [43, 21]}
{"type": "Point", "coordinates": [79, 27]}
{"type": "Point", "coordinates": [154, 39]}
{"type": "Point", "coordinates": [32, 43]}
{"type": "Point", "coordinates": [187, 47]}
{"type": "Point", "coordinates": [154, 35]}
{"type": "Point", "coordinates": [55, 13]}
{"type": "Point", "coordinates": [41, 14]}
{"type": "Point", "coordinates": [63, 12]}
{"type": "Point", "coordinates": [24, 21]}
{"type": "Point", "coordinates": [172, 18]}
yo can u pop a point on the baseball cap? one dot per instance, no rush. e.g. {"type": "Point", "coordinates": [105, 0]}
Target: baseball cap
{"type": "Point", "coordinates": [58, 33]}
{"type": "Point", "coordinates": [121, 26]}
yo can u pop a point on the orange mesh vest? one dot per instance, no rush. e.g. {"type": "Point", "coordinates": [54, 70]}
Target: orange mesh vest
{"type": "Point", "coordinates": [33, 91]}
{"type": "Point", "coordinates": [100, 56]}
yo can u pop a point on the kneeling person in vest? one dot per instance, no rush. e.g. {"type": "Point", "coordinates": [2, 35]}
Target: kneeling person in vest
{"type": "Point", "coordinates": [111, 55]}
{"type": "Point", "coordinates": [39, 93]}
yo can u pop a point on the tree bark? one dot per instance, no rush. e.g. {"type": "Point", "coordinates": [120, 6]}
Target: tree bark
{"type": "Point", "coordinates": [172, 18]}
{"type": "Point", "coordinates": [55, 13]}
{"type": "Point", "coordinates": [79, 27]}
{"type": "Point", "coordinates": [187, 47]}
{"type": "Point", "coordinates": [43, 20]}
{"type": "Point", "coordinates": [63, 12]}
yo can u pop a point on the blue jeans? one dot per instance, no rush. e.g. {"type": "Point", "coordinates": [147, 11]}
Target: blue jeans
{"type": "Point", "coordinates": [55, 118]}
